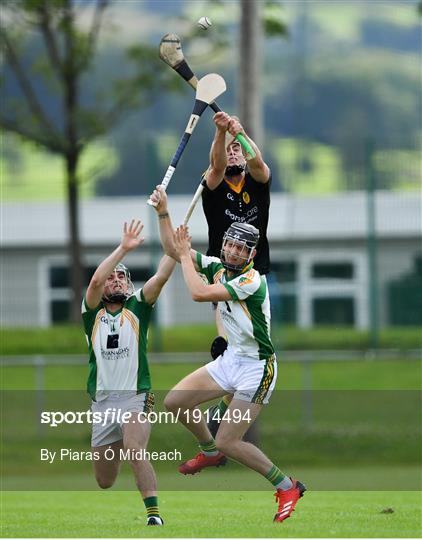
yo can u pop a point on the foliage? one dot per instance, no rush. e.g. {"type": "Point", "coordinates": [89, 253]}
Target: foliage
{"type": "Point", "coordinates": [32, 173]}
{"type": "Point", "coordinates": [310, 167]}
{"type": "Point", "coordinates": [43, 102]}
{"type": "Point", "coordinates": [39, 66]}
{"type": "Point", "coordinates": [341, 77]}
{"type": "Point", "coordinates": [126, 178]}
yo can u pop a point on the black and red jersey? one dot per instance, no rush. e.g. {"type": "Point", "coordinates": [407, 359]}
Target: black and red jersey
{"type": "Point", "coordinates": [248, 202]}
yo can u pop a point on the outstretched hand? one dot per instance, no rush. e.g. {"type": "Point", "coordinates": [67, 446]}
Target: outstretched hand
{"type": "Point", "coordinates": [182, 240]}
{"type": "Point", "coordinates": [132, 238]}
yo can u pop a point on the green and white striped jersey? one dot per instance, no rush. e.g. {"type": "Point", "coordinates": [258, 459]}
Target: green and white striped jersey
{"type": "Point", "coordinates": [119, 362]}
{"type": "Point", "coordinates": [246, 317]}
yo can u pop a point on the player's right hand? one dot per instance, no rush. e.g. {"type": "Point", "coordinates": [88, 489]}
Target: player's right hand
{"type": "Point", "coordinates": [222, 120]}
{"type": "Point", "coordinates": [159, 198]}
{"type": "Point", "coordinates": [182, 240]}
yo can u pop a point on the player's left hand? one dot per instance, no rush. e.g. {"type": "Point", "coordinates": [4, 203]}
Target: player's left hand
{"type": "Point", "coordinates": [235, 127]}
{"type": "Point", "coordinates": [182, 240]}
{"type": "Point", "coordinates": [131, 237]}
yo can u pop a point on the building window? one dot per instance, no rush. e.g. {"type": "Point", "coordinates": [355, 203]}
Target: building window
{"type": "Point", "coordinates": [332, 270]}
{"type": "Point", "coordinates": [59, 276]}
{"type": "Point", "coordinates": [287, 309]}
{"type": "Point", "coordinates": [282, 289]}
{"type": "Point", "coordinates": [286, 271]}
{"type": "Point", "coordinates": [60, 311]}
{"type": "Point", "coordinates": [338, 311]}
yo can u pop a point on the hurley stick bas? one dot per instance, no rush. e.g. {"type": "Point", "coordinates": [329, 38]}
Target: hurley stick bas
{"type": "Point", "coordinates": [207, 90]}
{"type": "Point", "coordinates": [171, 53]}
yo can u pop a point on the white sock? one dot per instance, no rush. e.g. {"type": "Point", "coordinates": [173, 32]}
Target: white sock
{"type": "Point", "coordinates": [209, 454]}
{"type": "Point", "coordinates": [285, 484]}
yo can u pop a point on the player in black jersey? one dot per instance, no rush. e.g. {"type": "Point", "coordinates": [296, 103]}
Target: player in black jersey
{"type": "Point", "coordinates": [235, 190]}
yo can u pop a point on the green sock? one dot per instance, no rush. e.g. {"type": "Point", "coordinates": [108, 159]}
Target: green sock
{"type": "Point", "coordinates": [208, 448]}
{"type": "Point", "coordinates": [278, 479]}
{"type": "Point", "coordinates": [151, 504]}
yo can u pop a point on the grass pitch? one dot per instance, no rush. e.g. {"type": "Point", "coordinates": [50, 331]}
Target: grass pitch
{"type": "Point", "coordinates": [211, 514]}
{"type": "Point", "coordinates": [222, 513]}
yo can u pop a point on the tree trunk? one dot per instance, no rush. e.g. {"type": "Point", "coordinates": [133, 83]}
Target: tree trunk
{"type": "Point", "coordinates": [249, 95]}
{"type": "Point", "coordinates": [75, 256]}
{"type": "Point", "coordinates": [70, 104]}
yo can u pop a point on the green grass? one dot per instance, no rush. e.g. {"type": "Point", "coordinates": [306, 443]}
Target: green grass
{"type": "Point", "coordinates": [210, 514]}
{"type": "Point", "coordinates": [356, 445]}
{"type": "Point", "coordinates": [375, 420]}
{"type": "Point", "coordinates": [69, 339]}
{"type": "Point", "coordinates": [30, 173]}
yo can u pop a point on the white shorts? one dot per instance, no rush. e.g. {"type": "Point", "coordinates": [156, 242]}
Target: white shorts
{"type": "Point", "coordinates": [247, 379]}
{"type": "Point", "coordinates": [117, 404]}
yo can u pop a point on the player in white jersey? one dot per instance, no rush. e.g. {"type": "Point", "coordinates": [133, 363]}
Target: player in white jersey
{"type": "Point", "coordinates": [116, 320]}
{"type": "Point", "coordinates": [247, 369]}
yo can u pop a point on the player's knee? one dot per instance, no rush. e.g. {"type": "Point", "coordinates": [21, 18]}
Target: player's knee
{"type": "Point", "coordinates": [224, 443]}
{"type": "Point", "coordinates": [104, 483]}
{"type": "Point", "coordinates": [171, 402]}
{"type": "Point", "coordinates": [134, 451]}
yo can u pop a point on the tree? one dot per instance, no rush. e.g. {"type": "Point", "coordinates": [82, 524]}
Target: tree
{"type": "Point", "coordinates": [50, 72]}
{"type": "Point", "coordinates": [133, 147]}
{"type": "Point", "coordinates": [250, 100]}
{"type": "Point", "coordinates": [256, 19]}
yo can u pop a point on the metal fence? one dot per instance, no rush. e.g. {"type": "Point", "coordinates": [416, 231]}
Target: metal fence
{"type": "Point", "coordinates": [306, 359]}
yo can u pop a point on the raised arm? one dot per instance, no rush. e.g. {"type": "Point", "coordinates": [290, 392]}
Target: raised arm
{"type": "Point", "coordinates": [154, 285]}
{"type": "Point", "coordinates": [199, 291]}
{"type": "Point", "coordinates": [159, 197]}
{"type": "Point", "coordinates": [218, 155]}
{"type": "Point", "coordinates": [257, 167]}
{"type": "Point", "coordinates": [131, 239]}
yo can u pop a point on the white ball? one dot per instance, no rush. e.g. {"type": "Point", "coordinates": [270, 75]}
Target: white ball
{"type": "Point", "coordinates": [204, 23]}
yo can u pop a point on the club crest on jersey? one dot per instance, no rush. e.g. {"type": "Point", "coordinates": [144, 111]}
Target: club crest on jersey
{"type": "Point", "coordinates": [247, 278]}
{"type": "Point", "coordinates": [246, 198]}
{"type": "Point", "coordinates": [244, 280]}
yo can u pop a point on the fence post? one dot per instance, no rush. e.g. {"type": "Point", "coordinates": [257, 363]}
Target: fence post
{"type": "Point", "coordinates": [307, 403]}
{"type": "Point", "coordinates": [371, 244]}
{"type": "Point", "coordinates": [39, 363]}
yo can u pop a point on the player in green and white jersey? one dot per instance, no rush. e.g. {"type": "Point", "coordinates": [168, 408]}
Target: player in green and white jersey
{"type": "Point", "coordinates": [116, 320]}
{"type": "Point", "coordinates": [247, 369]}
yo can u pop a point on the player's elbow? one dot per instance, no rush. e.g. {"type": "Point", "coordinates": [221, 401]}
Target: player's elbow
{"type": "Point", "coordinates": [261, 172]}
{"type": "Point", "coordinates": [200, 296]}
{"type": "Point", "coordinates": [96, 283]}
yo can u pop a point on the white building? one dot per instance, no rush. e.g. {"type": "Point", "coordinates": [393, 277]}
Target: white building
{"type": "Point", "coordinates": [318, 251]}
